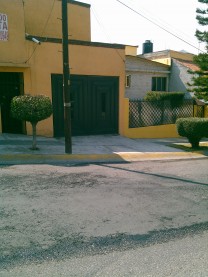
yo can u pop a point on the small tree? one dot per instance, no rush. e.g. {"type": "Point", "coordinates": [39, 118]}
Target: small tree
{"type": "Point", "coordinates": [32, 109]}
{"type": "Point", "coordinates": [193, 128]}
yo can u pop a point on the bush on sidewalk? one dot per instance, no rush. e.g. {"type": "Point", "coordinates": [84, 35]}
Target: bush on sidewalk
{"type": "Point", "coordinates": [193, 128]}
{"type": "Point", "coordinates": [32, 109]}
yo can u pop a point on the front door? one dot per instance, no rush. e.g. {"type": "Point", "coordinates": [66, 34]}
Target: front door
{"type": "Point", "coordinates": [94, 105]}
{"type": "Point", "coordinates": [11, 85]}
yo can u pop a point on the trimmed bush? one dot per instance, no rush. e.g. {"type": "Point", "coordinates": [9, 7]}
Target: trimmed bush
{"type": "Point", "coordinates": [32, 109]}
{"type": "Point", "coordinates": [175, 98]}
{"type": "Point", "coordinates": [193, 128]}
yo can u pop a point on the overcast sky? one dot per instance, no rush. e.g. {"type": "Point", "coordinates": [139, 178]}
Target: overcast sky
{"type": "Point", "coordinates": [112, 22]}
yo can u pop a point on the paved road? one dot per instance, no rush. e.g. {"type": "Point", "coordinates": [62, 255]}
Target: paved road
{"type": "Point", "coordinates": [54, 216]}
{"type": "Point", "coordinates": [178, 258]}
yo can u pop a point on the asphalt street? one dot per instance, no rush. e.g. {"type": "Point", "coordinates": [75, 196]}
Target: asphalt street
{"type": "Point", "coordinates": [184, 257]}
{"type": "Point", "coordinates": [131, 219]}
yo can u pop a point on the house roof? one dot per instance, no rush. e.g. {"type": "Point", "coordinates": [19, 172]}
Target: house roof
{"type": "Point", "coordinates": [79, 3]}
{"type": "Point", "coordinates": [190, 65]}
{"type": "Point", "coordinates": [141, 58]}
{"type": "Point", "coordinates": [169, 54]}
{"type": "Point", "coordinates": [140, 64]}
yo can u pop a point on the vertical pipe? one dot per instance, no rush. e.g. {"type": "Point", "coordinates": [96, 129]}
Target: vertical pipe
{"type": "Point", "coordinates": [66, 80]}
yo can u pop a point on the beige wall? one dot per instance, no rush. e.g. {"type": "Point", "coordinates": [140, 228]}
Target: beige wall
{"type": "Point", "coordinates": [131, 50]}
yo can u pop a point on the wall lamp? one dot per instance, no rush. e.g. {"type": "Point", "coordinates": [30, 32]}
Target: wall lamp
{"type": "Point", "coordinates": [36, 40]}
{"type": "Point", "coordinates": [31, 38]}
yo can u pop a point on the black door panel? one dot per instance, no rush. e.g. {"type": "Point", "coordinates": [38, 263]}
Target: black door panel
{"type": "Point", "coordinates": [94, 104]}
{"type": "Point", "coordinates": [11, 85]}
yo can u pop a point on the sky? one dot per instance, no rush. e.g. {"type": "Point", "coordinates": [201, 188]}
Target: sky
{"type": "Point", "coordinates": [112, 22]}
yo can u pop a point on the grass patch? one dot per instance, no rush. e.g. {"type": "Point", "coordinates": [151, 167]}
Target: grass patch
{"type": "Point", "coordinates": [203, 146]}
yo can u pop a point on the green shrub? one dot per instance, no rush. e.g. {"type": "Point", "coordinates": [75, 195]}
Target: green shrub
{"type": "Point", "coordinates": [193, 128]}
{"type": "Point", "coordinates": [175, 98]}
{"type": "Point", "coordinates": [32, 109]}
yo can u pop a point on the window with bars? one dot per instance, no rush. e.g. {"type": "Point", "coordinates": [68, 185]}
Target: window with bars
{"type": "Point", "coordinates": [159, 83]}
{"type": "Point", "coordinates": [128, 81]}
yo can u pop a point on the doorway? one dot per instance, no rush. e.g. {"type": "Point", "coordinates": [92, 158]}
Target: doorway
{"type": "Point", "coordinates": [94, 105]}
{"type": "Point", "coordinates": [11, 85]}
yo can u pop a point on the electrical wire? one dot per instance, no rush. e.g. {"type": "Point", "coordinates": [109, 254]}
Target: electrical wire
{"type": "Point", "coordinates": [162, 22]}
{"type": "Point", "coordinates": [158, 25]}
{"type": "Point", "coordinates": [43, 31]}
{"type": "Point", "coordinates": [23, 5]}
{"type": "Point", "coordinates": [107, 35]}
{"type": "Point", "coordinates": [100, 24]}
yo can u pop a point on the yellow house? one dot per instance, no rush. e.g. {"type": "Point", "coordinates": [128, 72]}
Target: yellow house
{"type": "Point", "coordinates": [31, 63]}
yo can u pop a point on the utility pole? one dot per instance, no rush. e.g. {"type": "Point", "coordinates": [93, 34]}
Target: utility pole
{"type": "Point", "coordinates": [66, 80]}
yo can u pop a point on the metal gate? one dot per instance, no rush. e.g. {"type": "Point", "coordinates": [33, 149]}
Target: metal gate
{"type": "Point", "coordinates": [94, 105]}
{"type": "Point", "coordinates": [11, 84]}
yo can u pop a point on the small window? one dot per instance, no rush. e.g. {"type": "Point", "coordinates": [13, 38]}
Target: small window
{"type": "Point", "coordinates": [159, 83]}
{"type": "Point", "coordinates": [128, 81]}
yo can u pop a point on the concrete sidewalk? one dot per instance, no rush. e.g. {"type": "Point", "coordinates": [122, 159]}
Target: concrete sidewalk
{"type": "Point", "coordinates": [15, 149]}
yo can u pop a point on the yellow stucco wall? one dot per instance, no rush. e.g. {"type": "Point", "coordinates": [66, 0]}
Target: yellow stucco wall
{"type": "Point", "coordinates": [163, 60]}
{"type": "Point", "coordinates": [14, 50]}
{"type": "Point", "coordinates": [38, 62]}
{"type": "Point", "coordinates": [162, 131]}
{"type": "Point", "coordinates": [206, 111]}
{"type": "Point", "coordinates": [37, 13]}
{"type": "Point", "coordinates": [84, 60]}
{"type": "Point", "coordinates": [38, 18]}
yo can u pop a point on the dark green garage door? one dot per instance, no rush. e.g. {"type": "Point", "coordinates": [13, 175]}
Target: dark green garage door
{"type": "Point", "coordinates": [94, 105]}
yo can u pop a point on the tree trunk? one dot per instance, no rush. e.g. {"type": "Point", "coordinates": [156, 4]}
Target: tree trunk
{"type": "Point", "coordinates": [34, 143]}
{"type": "Point", "coordinates": [194, 143]}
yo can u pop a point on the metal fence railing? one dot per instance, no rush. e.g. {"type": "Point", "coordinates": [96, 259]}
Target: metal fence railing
{"type": "Point", "coordinates": [152, 113]}
{"type": "Point", "coordinates": [199, 111]}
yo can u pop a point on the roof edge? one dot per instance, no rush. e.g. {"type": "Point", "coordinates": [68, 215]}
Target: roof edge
{"type": "Point", "coordinates": [77, 42]}
{"type": "Point", "coordinates": [147, 60]}
{"type": "Point", "coordinates": [79, 3]}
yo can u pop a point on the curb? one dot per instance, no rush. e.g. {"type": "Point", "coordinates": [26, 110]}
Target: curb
{"type": "Point", "coordinates": [11, 159]}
